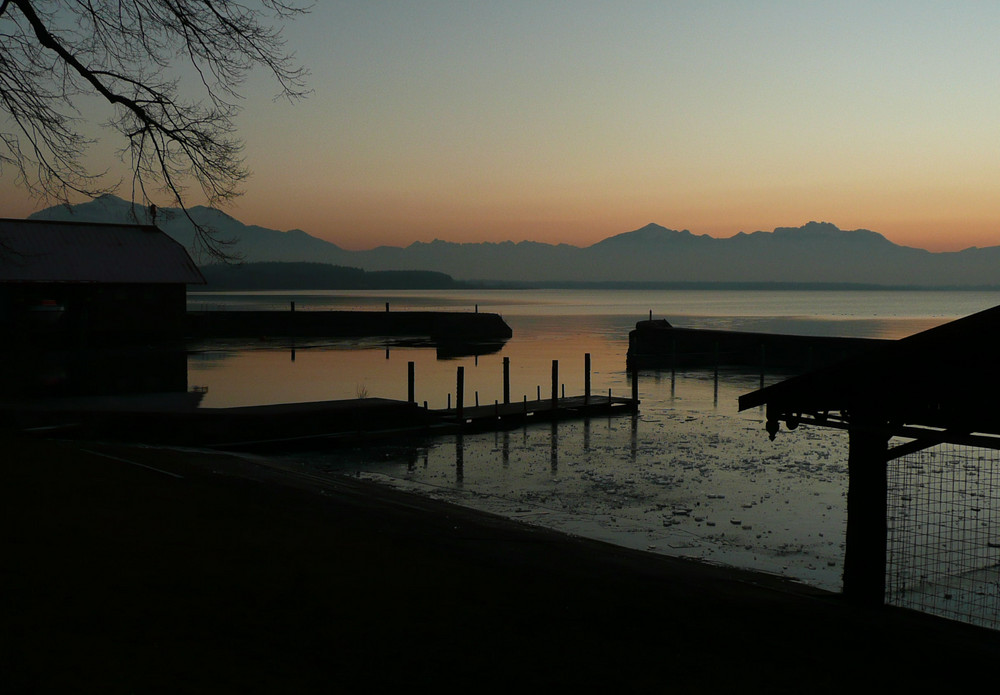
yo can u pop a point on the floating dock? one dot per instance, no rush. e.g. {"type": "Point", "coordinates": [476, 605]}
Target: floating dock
{"type": "Point", "coordinates": [656, 343]}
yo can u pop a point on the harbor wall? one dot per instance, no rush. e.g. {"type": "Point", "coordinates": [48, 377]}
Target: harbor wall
{"type": "Point", "coordinates": [437, 325]}
{"type": "Point", "coordinates": [656, 343]}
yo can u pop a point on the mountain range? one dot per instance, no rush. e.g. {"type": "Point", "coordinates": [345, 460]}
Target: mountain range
{"type": "Point", "coordinates": [815, 253]}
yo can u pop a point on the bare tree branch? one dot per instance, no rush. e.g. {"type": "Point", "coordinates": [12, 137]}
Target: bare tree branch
{"type": "Point", "coordinates": [56, 52]}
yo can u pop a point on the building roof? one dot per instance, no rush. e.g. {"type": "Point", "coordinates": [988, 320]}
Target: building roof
{"type": "Point", "coordinates": [946, 377]}
{"type": "Point", "coordinates": [83, 252]}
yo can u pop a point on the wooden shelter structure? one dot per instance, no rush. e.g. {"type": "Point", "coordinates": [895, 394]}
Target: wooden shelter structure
{"type": "Point", "coordinates": [73, 281]}
{"type": "Point", "coordinates": [938, 386]}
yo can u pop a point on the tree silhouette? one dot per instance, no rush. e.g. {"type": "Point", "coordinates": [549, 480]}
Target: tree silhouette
{"type": "Point", "coordinates": [57, 54]}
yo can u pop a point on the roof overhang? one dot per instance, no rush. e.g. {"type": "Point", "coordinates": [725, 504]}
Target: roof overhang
{"type": "Point", "coordinates": [941, 383]}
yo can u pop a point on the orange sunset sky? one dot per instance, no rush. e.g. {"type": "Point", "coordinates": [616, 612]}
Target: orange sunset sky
{"type": "Point", "coordinates": [574, 121]}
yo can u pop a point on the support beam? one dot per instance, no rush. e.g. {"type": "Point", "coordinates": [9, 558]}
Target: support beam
{"type": "Point", "coordinates": [865, 553]}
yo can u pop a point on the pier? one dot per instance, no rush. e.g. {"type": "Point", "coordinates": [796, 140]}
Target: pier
{"type": "Point", "coordinates": [442, 326]}
{"type": "Point", "coordinates": [177, 418]}
{"type": "Point", "coordinates": [655, 343]}
{"type": "Point", "coordinates": [501, 415]}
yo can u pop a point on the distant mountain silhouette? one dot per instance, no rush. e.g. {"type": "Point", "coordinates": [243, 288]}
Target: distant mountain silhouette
{"type": "Point", "coordinates": [319, 276]}
{"type": "Point", "coordinates": [815, 253]}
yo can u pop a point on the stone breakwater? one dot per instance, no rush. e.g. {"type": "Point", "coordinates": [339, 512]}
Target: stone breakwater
{"type": "Point", "coordinates": [656, 343]}
{"type": "Point", "coordinates": [436, 325]}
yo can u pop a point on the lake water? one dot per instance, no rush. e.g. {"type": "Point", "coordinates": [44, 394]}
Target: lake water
{"type": "Point", "coordinates": [687, 476]}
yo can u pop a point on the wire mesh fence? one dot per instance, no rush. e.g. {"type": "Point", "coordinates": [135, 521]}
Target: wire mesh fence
{"type": "Point", "coordinates": [943, 543]}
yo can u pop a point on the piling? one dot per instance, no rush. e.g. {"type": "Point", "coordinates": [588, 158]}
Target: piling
{"type": "Point", "coordinates": [410, 383]}
{"type": "Point", "coordinates": [635, 388]}
{"type": "Point", "coordinates": [506, 380]}
{"type": "Point", "coordinates": [555, 384]}
{"type": "Point", "coordinates": [459, 393]}
{"type": "Point", "coordinates": [586, 378]}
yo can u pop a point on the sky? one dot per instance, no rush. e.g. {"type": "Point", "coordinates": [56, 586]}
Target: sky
{"type": "Point", "coordinates": [569, 122]}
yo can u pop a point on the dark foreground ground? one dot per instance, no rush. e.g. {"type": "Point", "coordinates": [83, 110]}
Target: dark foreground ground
{"type": "Point", "coordinates": [236, 577]}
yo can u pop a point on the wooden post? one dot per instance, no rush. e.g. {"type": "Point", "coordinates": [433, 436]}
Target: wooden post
{"type": "Point", "coordinates": [555, 384]}
{"type": "Point", "coordinates": [387, 307]}
{"type": "Point", "coordinates": [586, 378]}
{"type": "Point", "coordinates": [865, 551]}
{"type": "Point", "coordinates": [506, 380]}
{"type": "Point", "coordinates": [650, 314]}
{"type": "Point", "coordinates": [459, 393]}
{"type": "Point", "coordinates": [635, 389]}
{"type": "Point", "coordinates": [293, 307]}
{"type": "Point", "coordinates": [410, 383]}
{"type": "Point", "coordinates": [477, 399]}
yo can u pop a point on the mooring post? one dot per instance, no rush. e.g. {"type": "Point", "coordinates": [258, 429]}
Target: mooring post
{"type": "Point", "coordinates": [650, 314]}
{"type": "Point", "coordinates": [293, 307]}
{"type": "Point", "coordinates": [586, 378]}
{"type": "Point", "coordinates": [538, 392]}
{"type": "Point", "coordinates": [555, 384]}
{"type": "Point", "coordinates": [867, 525]}
{"type": "Point", "coordinates": [477, 399]}
{"type": "Point", "coordinates": [410, 383]}
{"type": "Point", "coordinates": [477, 308]}
{"type": "Point", "coordinates": [459, 393]}
{"type": "Point", "coordinates": [506, 380]}
{"type": "Point", "coordinates": [635, 389]}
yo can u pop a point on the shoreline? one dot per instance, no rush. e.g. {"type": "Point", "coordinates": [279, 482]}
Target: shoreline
{"type": "Point", "coordinates": [138, 569]}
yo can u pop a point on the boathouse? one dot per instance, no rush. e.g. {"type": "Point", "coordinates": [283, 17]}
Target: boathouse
{"type": "Point", "coordinates": [923, 420]}
{"type": "Point", "coordinates": [84, 283]}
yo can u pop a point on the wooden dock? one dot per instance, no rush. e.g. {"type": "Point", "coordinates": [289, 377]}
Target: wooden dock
{"type": "Point", "coordinates": [501, 415]}
{"type": "Point", "coordinates": [178, 419]}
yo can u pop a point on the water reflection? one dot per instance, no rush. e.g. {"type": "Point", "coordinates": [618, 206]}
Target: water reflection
{"type": "Point", "coordinates": [554, 448]}
{"type": "Point", "coordinates": [93, 372]}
